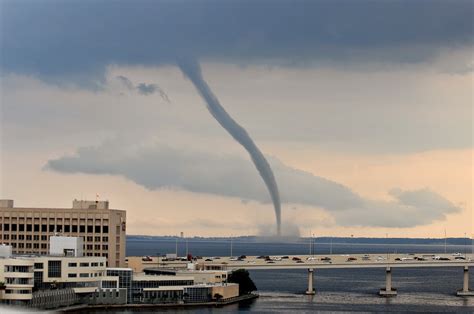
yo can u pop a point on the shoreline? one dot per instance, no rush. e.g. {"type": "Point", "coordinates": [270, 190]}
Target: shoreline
{"type": "Point", "coordinates": [86, 307]}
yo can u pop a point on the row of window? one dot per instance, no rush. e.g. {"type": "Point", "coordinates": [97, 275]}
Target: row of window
{"type": "Point", "coordinates": [19, 281]}
{"type": "Point", "coordinates": [52, 220]}
{"type": "Point", "coordinates": [29, 245]}
{"type": "Point", "coordinates": [84, 275]}
{"type": "Point", "coordinates": [29, 237]}
{"type": "Point", "coordinates": [17, 269]}
{"type": "Point", "coordinates": [93, 264]}
{"type": "Point", "coordinates": [54, 228]}
{"type": "Point", "coordinates": [17, 291]}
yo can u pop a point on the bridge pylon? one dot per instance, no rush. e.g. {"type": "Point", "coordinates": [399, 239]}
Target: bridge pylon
{"type": "Point", "coordinates": [310, 290]}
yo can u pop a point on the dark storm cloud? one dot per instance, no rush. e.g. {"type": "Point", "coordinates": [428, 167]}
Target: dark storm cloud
{"type": "Point", "coordinates": [160, 166]}
{"type": "Point", "coordinates": [79, 38]}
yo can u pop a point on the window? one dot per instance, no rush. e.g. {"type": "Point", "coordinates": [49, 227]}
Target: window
{"type": "Point", "coordinates": [14, 226]}
{"type": "Point", "coordinates": [97, 239]}
{"type": "Point", "coordinates": [94, 264]}
{"type": "Point", "coordinates": [21, 245]}
{"type": "Point", "coordinates": [97, 247]}
{"type": "Point", "coordinates": [28, 245]}
{"type": "Point", "coordinates": [6, 227]}
{"type": "Point", "coordinates": [106, 229]}
{"type": "Point", "coordinates": [72, 264]}
{"type": "Point", "coordinates": [90, 239]}
{"type": "Point", "coordinates": [84, 275]}
{"type": "Point", "coordinates": [21, 237]}
{"type": "Point", "coordinates": [36, 228]}
{"type": "Point", "coordinates": [105, 247]}
{"type": "Point", "coordinates": [82, 229]}
{"type": "Point", "coordinates": [74, 228]}
{"type": "Point", "coordinates": [44, 238]}
{"type": "Point", "coordinates": [28, 237]}
{"type": "Point", "coordinates": [44, 228]}
{"type": "Point", "coordinates": [13, 236]}
{"type": "Point", "coordinates": [38, 265]}
{"type": "Point", "coordinates": [97, 229]}
{"type": "Point", "coordinates": [29, 228]}
{"type": "Point", "coordinates": [36, 237]}
{"type": "Point", "coordinates": [72, 275]}
{"type": "Point", "coordinates": [105, 239]}
{"type": "Point", "coordinates": [67, 228]}
{"type": "Point", "coordinates": [36, 245]}
{"type": "Point", "coordinates": [6, 237]}
{"type": "Point", "coordinates": [44, 245]}
{"type": "Point", "coordinates": [90, 229]}
{"type": "Point", "coordinates": [89, 246]}
{"type": "Point", "coordinates": [59, 228]}
{"type": "Point", "coordinates": [21, 227]}
{"type": "Point", "coordinates": [54, 269]}
{"type": "Point", "coordinates": [51, 228]}
{"type": "Point", "coordinates": [84, 264]}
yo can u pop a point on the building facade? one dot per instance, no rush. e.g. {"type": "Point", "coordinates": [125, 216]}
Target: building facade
{"type": "Point", "coordinates": [103, 230]}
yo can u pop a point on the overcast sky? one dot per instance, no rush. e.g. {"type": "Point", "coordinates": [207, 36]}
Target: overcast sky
{"type": "Point", "coordinates": [364, 110]}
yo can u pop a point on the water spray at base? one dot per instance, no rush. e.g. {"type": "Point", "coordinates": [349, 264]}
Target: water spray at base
{"type": "Point", "coordinates": [192, 70]}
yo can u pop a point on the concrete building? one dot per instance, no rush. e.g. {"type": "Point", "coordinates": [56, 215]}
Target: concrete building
{"type": "Point", "coordinates": [49, 281]}
{"type": "Point", "coordinates": [210, 292]}
{"type": "Point", "coordinates": [102, 229]}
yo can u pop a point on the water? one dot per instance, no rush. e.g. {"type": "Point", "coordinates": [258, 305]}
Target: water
{"type": "Point", "coordinates": [282, 291]}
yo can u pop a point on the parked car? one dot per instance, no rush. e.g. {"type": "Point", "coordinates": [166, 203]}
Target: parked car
{"type": "Point", "coordinates": [325, 259]}
{"type": "Point", "coordinates": [351, 259]}
{"type": "Point", "coordinates": [296, 259]}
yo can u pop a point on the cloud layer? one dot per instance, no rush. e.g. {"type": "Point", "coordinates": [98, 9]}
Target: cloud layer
{"type": "Point", "coordinates": [161, 166]}
{"type": "Point", "coordinates": [79, 38]}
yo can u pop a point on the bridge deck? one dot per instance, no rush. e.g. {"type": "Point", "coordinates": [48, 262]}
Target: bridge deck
{"type": "Point", "coordinates": [339, 261]}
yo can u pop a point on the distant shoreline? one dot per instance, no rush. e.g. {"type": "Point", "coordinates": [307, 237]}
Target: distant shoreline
{"type": "Point", "coordinates": [317, 240]}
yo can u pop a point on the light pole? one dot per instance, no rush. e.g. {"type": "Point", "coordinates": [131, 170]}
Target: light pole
{"type": "Point", "coordinates": [445, 242]}
{"type": "Point", "coordinates": [187, 252]}
{"type": "Point", "coordinates": [176, 246]}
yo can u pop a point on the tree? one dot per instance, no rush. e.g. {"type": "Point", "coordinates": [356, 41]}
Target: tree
{"type": "Point", "coordinates": [242, 277]}
{"type": "Point", "coordinates": [218, 297]}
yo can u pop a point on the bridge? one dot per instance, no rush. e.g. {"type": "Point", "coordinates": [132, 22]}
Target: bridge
{"type": "Point", "coordinates": [314, 262]}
